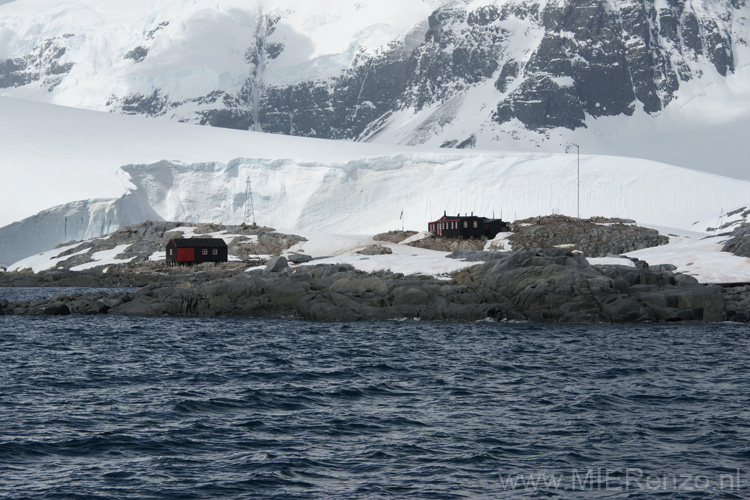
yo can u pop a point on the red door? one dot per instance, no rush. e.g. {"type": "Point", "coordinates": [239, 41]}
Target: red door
{"type": "Point", "coordinates": [185, 254]}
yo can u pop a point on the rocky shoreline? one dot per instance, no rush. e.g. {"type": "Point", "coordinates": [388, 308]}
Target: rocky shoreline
{"type": "Point", "coordinates": [551, 285]}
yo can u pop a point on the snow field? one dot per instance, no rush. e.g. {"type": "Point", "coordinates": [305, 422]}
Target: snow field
{"type": "Point", "coordinates": [73, 158]}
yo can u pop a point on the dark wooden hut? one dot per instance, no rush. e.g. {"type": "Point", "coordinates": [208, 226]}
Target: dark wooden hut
{"type": "Point", "coordinates": [466, 226]}
{"type": "Point", "coordinates": [187, 251]}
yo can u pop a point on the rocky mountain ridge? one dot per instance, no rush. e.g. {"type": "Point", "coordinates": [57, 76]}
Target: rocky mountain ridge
{"type": "Point", "coordinates": [533, 65]}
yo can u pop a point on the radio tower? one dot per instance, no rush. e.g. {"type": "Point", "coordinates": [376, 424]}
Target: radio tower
{"type": "Point", "coordinates": [249, 209]}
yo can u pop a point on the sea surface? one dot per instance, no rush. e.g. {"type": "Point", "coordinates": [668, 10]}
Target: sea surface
{"type": "Point", "coordinates": [172, 408]}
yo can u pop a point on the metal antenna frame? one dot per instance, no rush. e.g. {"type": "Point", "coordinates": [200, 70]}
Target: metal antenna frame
{"type": "Point", "coordinates": [249, 207]}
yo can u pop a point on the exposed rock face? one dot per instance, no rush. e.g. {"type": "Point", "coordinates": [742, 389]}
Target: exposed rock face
{"type": "Point", "coordinates": [738, 303]}
{"type": "Point", "coordinates": [552, 64]}
{"type": "Point", "coordinates": [739, 243]}
{"type": "Point", "coordinates": [593, 237]}
{"type": "Point", "coordinates": [549, 285]}
{"type": "Point", "coordinates": [592, 57]}
{"type": "Point", "coordinates": [42, 64]}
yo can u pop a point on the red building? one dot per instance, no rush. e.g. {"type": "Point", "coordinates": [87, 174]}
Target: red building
{"type": "Point", "coordinates": [466, 226]}
{"type": "Point", "coordinates": [187, 251]}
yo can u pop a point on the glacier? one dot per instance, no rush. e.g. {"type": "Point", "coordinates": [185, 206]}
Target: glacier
{"type": "Point", "coordinates": [105, 171]}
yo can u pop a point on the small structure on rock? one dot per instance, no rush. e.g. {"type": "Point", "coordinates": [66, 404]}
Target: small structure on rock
{"type": "Point", "coordinates": [188, 251]}
{"type": "Point", "coordinates": [467, 226]}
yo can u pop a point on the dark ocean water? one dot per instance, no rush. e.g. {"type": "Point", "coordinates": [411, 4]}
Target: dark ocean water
{"type": "Point", "coordinates": [165, 408]}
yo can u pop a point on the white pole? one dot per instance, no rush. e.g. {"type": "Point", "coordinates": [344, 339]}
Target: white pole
{"type": "Point", "coordinates": [578, 179]}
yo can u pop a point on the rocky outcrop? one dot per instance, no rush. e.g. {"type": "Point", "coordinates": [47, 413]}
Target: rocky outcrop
{"type": "Point", "coordinates": [731, 220]}
{"type": "Point", "coordinates": [141, 241]}
{"type": "Point", "coordinates": [547, 286]}
{"type": "Point", "coordinates": [394, 236]}
{"type": "Point", "coordinates": [596, 237]}
{"type": "Point", "coordinates": [42, 64]}
{"type": "Point", "coordinates": [554, 285]}
{"type": "Point", "coordinates": [593, 58]}
{"type": "Point", "coordinates": [739, 243]}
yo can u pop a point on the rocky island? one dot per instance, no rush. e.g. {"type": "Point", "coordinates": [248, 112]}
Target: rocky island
{"type": "Point", "coordinates": [549, 283]}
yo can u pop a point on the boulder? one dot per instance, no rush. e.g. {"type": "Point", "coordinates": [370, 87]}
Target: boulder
{"type": "Point", "coordinates": [53, 309]}
{"type": "Point", "coordinates": [684, 280]}
{"type": "Point", "coordinates": [299, 258]}
{"type": "Point", "coordinates": [375, 250]}
{"type": "Point", "coordinates": [277, 264]}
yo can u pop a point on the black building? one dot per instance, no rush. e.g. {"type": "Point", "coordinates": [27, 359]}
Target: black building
{"type": "Point", "coordinates": [187, 251]}
{"type": "Point", "coordinates": [467, 226]}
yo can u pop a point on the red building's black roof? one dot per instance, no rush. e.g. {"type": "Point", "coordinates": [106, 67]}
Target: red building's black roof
{"type": "Point", "coordinates": [198, 242]}
{"type": "Point", "coordinates": [457, 217]}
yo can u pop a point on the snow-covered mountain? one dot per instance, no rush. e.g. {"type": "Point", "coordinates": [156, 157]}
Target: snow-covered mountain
{"type": "Point", "coordinates": [667, 80]}
{"type": "Point", "coordinates": [659, 80]}
{"type": "Point", "coordinates": [71, 174]}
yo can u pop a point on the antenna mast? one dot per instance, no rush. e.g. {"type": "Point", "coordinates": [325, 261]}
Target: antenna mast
{"type": "Point", "coordinates": [249, 208]}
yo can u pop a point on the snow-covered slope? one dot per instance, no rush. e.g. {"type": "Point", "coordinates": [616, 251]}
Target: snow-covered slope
{"type": "Point", "coordinates": [51, 155]}
{"type": "Point", "coordinates": [69, 157]}
{"type": "Point", "coordinates": [667, 81]}
{"type": "Point", "coordinates": [84, 53]}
